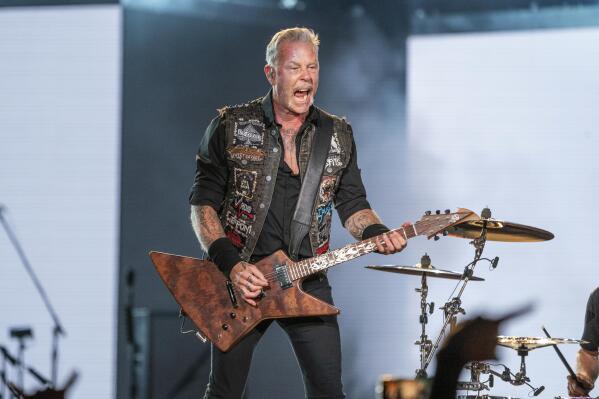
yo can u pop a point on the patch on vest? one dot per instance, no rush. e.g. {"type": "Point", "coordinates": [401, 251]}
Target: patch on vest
{"type": "Point", "coordinates": [249, 133]}
{"type": "Point", "coordinates": [243, 209]}
{"type": "Point", "coordinates": [236, 229]}
{"type": "Point", "coordinates": [334, 157]}
{"type": "Point", "coordinates": [325, 191]}
{"type": "Point", "coordinates": [324, 213]}
{"type": "Point", "coordinates": [245, 182]}
{"type": "Point", "coordinates": [242, 153]}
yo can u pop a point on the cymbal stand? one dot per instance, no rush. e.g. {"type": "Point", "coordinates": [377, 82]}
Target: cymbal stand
{"type": "Point", "coordinates": [425, 309]}
{"type": "Point", "coordinates": [453, 307]}
{"type": "Point", "coordinates": [57, 330]}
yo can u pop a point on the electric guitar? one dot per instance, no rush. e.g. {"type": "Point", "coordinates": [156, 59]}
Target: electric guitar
{"type": "Point", "coordinates": [213, 303]}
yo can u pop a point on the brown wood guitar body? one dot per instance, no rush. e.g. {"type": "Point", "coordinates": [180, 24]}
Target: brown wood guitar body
{"type": "Point", "coordinates": [200, 288]}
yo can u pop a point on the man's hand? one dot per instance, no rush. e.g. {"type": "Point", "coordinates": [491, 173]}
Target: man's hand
{"type": "Point", "coordinates": [249, 280]}
{"type": "Point", "coordinates": [390, 243]}
{"type": "Point", "coordinates": [578, 387]}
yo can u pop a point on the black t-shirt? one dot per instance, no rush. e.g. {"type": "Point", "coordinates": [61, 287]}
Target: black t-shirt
{"type": "Point", "coordinates": [591, 323]}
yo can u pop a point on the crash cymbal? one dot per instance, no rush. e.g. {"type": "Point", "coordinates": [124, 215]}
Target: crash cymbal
{"type": "Point", "coordinates": [498, 230]}
{"type": "Point", "coordinates": [419, 270]}
{"type": "Point", "coordinates": [530, 343]}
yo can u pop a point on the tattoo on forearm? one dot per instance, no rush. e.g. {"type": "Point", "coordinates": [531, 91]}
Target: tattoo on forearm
{"type": "Point", "coordinates": [357, 222]}
{"type": "Point", "coordinates": [206, 225]}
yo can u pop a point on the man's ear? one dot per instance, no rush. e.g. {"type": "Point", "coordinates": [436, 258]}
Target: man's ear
{"type": "Point", "coordinates": [269, 71]}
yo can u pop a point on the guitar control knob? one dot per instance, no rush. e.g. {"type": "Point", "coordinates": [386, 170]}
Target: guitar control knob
{"type": "Point", "coordinates": [447, 211]}
{"type": "Point", "coordinates": [427, 213]}
{"type": "Point", "coordinates": [225, 326]}
{"type": "Point", "coordinates": [233, 315]}
{"type": "Point", "coordinates": [438, 212]}
{"type": "Point", "coordinates": [436, 238]}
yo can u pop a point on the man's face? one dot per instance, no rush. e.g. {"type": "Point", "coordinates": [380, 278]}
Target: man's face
{"type": "Point", "coordinates": [295, 77]}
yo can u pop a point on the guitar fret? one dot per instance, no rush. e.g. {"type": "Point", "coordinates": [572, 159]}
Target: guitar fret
{"type": "Point", "coordinates": [307, 267]}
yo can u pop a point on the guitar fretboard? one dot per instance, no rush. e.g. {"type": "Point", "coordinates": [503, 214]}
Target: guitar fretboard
{"type": "Point", "coordinates": [322, 262]}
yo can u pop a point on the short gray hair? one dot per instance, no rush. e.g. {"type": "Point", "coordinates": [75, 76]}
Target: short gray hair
{"type": "Point", "coordinates": [296, 34]}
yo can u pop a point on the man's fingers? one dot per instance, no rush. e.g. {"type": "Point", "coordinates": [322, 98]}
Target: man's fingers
{"type": "Point", "coordinates": [575, 389]}
{"type": "Point", "coordinates": [380, 246]}
{"type": "Point", "coordinates": [253, 303]}
{"type": "Point", "coordinates": [398, 241]}
{"type": "Point", "coordinates": [257, 277]}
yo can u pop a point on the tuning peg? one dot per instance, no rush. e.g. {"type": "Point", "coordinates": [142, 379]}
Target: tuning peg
{"type": "Point", "coordinates": [438, 212]}
{"type": "Point", "coordinates": [427, 213]}
{"type": "Point", "coordinates": [444, 232]}
{"type": "Point", "coordinates": [436, 238]}
{"type": "Point", "coordinates": [447, 211]}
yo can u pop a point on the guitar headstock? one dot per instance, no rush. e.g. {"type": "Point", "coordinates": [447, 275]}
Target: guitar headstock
{"type": "Point", "coordinates": [432, 224]}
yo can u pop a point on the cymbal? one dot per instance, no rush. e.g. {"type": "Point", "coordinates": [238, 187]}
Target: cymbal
{"type": "Point", "coordinates": [419, 270]}
{"type": "Point", "coordinates": [498, 230]}
{"type": "Point", "coordinates": [530, 343]}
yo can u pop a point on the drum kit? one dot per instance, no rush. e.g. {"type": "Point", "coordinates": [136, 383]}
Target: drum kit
{"type": "Point", "coordinates": [479, 231]}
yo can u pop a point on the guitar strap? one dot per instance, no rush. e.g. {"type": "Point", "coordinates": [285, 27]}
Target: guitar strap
{"type": "Point", "coordinates": [302, 216]}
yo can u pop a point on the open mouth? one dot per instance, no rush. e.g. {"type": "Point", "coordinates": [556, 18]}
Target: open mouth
{"type": "Point", "coordinates": [302, 94]}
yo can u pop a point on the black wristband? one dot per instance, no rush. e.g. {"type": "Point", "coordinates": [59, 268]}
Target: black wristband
{"type": "Point", "coordinates": [224, 254]}
{"type": "Point", "coordinates": [374, 230]}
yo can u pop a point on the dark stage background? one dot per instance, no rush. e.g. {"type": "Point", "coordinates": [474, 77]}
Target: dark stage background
{"type": "Point", "coordinates": [182, 61]}
{"type": "Point", "coordinates": [179, 67]}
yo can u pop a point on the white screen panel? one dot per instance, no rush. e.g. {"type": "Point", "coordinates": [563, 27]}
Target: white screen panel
{"type": "Point", "coordinates": [59, 180]}
{"type": "Point", "coordinates": [509, 121]}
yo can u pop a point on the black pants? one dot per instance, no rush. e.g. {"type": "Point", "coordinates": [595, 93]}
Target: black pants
{"type": "Point", "coordinates": [316, 345]}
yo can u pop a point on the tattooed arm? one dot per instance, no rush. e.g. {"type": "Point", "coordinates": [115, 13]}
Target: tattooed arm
{"type": "Point", "coordinates": [388, 243]}
{"type": "Point", "coordinates": [208, 229]}
{"type": "Point", "coordinates": [357, 223]}
{"type": "Point", "coordinates": [206, 225]}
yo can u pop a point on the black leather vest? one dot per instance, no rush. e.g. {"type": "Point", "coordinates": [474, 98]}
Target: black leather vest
{"type": "Point", "coordinates": [253, 156]}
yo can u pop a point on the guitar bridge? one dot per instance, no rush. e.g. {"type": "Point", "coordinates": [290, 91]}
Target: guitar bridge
{"type": "Point", "coordinates": [282, 273]}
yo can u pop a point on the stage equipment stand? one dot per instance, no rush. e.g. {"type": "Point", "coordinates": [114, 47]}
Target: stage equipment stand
{"type": "Point", "coordinates": [57, 330]}
{"type": "Point", "coordinates": [454, 306]}
{"type": "Point", "coordinates": [426, 308]}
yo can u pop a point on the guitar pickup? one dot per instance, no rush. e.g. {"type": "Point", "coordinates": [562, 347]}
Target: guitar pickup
{"type": "Point", "coordinates": [282, 273]}
{"type": "Point", "coordinates": [231, 292]}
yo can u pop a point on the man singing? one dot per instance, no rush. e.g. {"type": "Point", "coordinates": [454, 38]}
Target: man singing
{"type": "Point", "coordinates": [250, 168]}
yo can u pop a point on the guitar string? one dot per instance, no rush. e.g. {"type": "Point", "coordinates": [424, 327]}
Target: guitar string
{"type": "Point", "coordinates": [271, 276]}
{"type": "Point", "coordinates": [361, 245]}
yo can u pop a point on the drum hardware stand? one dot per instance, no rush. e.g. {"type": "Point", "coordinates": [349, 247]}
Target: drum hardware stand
{"type": "Point", "coordinates": [57, 330]}
{"type": "Point", "coordinates": [21, 334]}
{"type": "Point", "coordinates": [520, 378]}
{"type": "Point", "coordinates": [426, 308]}
{"type": "Point", "coordinates": [453, 307]}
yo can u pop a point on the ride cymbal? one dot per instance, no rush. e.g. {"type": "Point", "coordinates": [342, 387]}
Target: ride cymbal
{"type": "Point", "coordinates": [419, 270]}
{"type": "Point", "coordinates": [530, 343]}
{"type": "Point", "coordinates": [498, 230]}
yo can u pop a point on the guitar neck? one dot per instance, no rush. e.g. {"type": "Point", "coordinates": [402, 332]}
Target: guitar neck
{"type": "Point", "coordinates": [322, 262]}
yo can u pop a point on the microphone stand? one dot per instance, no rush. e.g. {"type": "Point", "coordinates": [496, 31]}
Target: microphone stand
{"type": "Point", "coordinates": [453, 307]}
{"type": "Point", "coordinates": [57, 330]}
